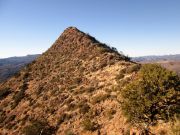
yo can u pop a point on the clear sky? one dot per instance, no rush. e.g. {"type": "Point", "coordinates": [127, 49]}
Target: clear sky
{"type": "Point", "coordinates": [136, 27]}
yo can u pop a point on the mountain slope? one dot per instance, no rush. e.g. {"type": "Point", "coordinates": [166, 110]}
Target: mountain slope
{"type": "Point", "coordinates": [10, 66]}
{"type": "Point", "coordinates": [68, 89]}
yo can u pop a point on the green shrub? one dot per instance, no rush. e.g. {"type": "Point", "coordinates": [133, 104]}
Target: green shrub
{"type": "Point", "coordinates": [152, 96]}
{"type": "Point", "coordinates": [4, 93]}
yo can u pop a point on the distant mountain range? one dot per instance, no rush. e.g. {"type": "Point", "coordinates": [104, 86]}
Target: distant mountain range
{"type": "Point", "coordinates": [171, 62]}
{"type": "Point", "coordinates": [10, 66]}
{"type": "Point", "coordinates": [152, 58]}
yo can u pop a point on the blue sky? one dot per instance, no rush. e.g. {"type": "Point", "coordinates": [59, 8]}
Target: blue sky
{"type": "Point", "coordinates": [136, 27]}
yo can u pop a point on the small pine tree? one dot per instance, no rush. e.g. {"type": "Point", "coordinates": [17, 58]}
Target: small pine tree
{"type": "Point", "coordinates": [153, 96]}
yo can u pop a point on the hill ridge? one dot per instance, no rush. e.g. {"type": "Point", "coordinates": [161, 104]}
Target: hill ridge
{"type": "Point", "coordinates": [66, 86]}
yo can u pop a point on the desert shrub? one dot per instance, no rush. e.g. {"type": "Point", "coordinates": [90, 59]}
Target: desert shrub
{"type": "Point", "coordinates": [2, 116]}
{"type": "Point", "coordinates": [38, 128]}
{"type": "Point", "coordinates": [100, 97]}
{"type": "Point", "coordinates": [84, 108]}
{"type": "Point", "coordinates": [4, 93]}
{"type": "Point", "coordinates": [19, 95]}
{"type": "Point", "coordinates": [175, 127]}
{"type": "Point", "coordinates": [72, 106]}
{"type": "Point", "coordinates": [110, 113]}
{"type": "Point", "coordinates": [123, 71]}
{"type": "Point", "coordinates": [11, 118]}
{"type": "Point", "coordinates": [10, 125]}
{"type": "Point", "coordinates": [123, 82]}
{"type": "Point", "coordinates": [119, 76]}
{"type": "Point", "coordinates": [68, 132]}
{"type": "Point", "coordinates": [133, 68]}
{"type": "Point", "coordinates": [127, 132]}
{"type": "Point", "coordinates": [103, 63]}
{"type": "Point", "coordinates": [152, 96]}
{"type": "Point", "coordinates": [90, 89]}
{"type": "Point", "coordinates": [89, 125]}
{"type": "Point", "coordinates": [77, 80]}
{"type": "Point", "coordinates": [127, 58]}
{"type": "Point", "coordinates": [64, 117]}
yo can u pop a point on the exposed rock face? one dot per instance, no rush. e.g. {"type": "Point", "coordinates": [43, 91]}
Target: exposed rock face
{"type": "Point", "coordinates": [69, 88]}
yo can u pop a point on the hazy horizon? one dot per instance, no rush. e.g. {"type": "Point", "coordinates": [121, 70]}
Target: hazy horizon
{"type": "Point", "coordinates": [137, 28]}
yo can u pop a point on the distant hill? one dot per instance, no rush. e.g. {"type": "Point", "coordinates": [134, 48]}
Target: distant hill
{"type": "Point", "coordinates": [10, 66]}
{"type": "Point", "coordinates": [152, 58]}
{"type": "Point", "coordinates": [171, 62]}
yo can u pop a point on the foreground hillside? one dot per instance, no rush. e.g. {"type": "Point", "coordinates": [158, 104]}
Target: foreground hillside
{"type": "Point", "coordinates": [10, 66]}
{"type": "Point", "coordinates": [72, 89]}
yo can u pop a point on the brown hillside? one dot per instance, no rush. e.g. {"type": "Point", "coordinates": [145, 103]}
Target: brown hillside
{"type": "Point", "coordinates": [69, 90]}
